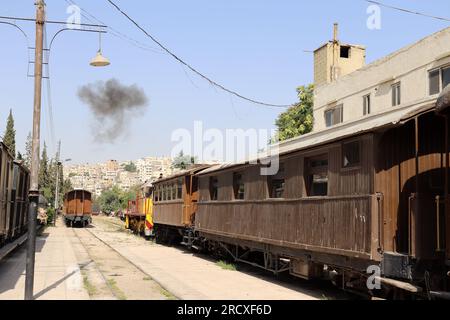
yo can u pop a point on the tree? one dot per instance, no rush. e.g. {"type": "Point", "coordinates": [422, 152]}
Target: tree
{"type": "Point", "coordinates": [130, 167]}
{"type": "Point", "coordinates": [9, 138]}
{"type": "Point", "coordinates": [28, 151]}
{"type": "Point", "coordinates": [298, 119]}
{"type": "Point", "coordinates": [44, 175]}
{"type": "Point", "coordinates": [110, 200]}
{"type": "Point", "coordinates": [183, 162]}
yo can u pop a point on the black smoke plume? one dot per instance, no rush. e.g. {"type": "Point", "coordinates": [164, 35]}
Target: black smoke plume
{"type": "Point", "coordinates": [113, 106]}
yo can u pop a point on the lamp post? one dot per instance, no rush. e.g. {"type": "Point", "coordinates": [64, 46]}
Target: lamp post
{"type": "Point", "coordinates": [34, 183]}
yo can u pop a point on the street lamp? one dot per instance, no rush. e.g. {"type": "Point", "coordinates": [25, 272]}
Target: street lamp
{"type": "Point", "coordinates": [34, 181]}
{"type": "Point", "coordinates": [100, 60]}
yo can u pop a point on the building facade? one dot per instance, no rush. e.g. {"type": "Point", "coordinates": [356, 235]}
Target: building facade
{"type": "Point", "coordinates": [408, 78]}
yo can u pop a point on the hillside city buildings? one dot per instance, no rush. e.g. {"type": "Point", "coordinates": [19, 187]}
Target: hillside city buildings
{"type": "Point", "coordinates": [99, 177]}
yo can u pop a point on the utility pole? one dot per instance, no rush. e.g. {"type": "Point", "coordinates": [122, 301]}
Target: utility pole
{"type": "Point", "coordinates": [58, 170]}
{"type": "Point", "coordinates": [34, 186]}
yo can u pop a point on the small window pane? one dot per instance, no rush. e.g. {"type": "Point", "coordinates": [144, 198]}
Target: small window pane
{"type": "Point", "coordinates": [434, 82]}
{"type": "Point", "coordinates": [396, 95]}
{"type": "Point", "coordinates": [445, 77]}
{"type": "Point", "coordinates": [329, 118]}
{"type": "Point", "coordinates": [367, 105]}
{"type": "Point", "coordinates": [351, 154]}
{"type": "Point", "coordinates": [276, 184]}
{"type": "Point", "coordinates": [239, 187]}
{"type": "Point", "coordinates": [320, 185]}
{"type": "Point", "coordinates": [180, 189]}
{"type": "Point", "coordinates": [213, 188]}
{"type": "Point", "coordinates": [339, 114]}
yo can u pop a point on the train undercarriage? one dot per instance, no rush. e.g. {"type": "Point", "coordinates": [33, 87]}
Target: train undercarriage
{"type": "Point", "coordinates": [360, 277]}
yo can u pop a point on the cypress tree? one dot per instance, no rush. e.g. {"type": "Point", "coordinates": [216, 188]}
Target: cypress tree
{"type": "Point", "coordinates": [9, 138]}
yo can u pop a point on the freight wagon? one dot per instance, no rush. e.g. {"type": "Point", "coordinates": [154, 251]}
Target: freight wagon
{"type": "Point", "coordinates": [77, 210]}
{"type": "Point", "coordinates": [14, 186]}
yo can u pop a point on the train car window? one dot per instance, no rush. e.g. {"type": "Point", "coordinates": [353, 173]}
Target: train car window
{"type": "Point", "coordinates": [174, 191]}
{"type": "Point", "coordinates": [214, 188]}
{"type": "Point", "coordinates": [180, 188]}
{"type": "Point", "coordinates": [238, 186]}
{"type": "Point", "coordinates": [316, 176]}
{"type": "Point", "coordinates": [156, 195]}
{"type": "Point", "coordinates": [276, 184]}
{"type": "Point", "coordinates": [169, 192]}
{"type": "Point", "coordinates": [164, 193]}
{"type": "Point", "coordinates": [351, 154]}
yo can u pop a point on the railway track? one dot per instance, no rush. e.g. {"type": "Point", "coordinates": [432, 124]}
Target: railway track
{"type": "Point", "coordinates": [120, 278]}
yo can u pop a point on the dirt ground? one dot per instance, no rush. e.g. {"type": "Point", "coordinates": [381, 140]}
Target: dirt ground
{"type": "Point", "coordinates": [111, 276]}
{"type": "Point", "coordinates": [190, 276]}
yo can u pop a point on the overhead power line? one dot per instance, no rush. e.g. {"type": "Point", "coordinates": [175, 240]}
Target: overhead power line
{"type": "Point", "coordinates": [90, 17]}
{"type": "Point", "coordinates": [212, 82]}
{"type": "Point", "coordinates": [407, 11]}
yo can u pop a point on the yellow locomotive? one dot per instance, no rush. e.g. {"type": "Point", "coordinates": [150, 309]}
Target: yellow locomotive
{"type": "Point", "coordinates": [139, 214]}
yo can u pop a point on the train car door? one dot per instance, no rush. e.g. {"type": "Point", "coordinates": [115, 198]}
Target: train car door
{"type": "Point", "coordinates": [447, 188]}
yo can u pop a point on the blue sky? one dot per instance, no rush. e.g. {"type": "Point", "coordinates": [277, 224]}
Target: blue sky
{"type": "Point", "coordinates": [252, 46]}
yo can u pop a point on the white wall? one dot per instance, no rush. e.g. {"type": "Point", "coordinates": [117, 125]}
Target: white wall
{"type": "Point", "coordinates": [409, 65]}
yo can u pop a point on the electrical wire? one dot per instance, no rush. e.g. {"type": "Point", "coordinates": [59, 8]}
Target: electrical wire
{"type": "Point", "coordinates": [90, 17]}
{"type": "Point", "coordinates": [407, 11]}
{"type": "Point", "coordinates": [212, 82]}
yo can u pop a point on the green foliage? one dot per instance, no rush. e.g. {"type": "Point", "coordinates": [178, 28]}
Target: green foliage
{"type": "Point", "coordinates": [28, 151]}
{"type": "Point", "coordinates": [226, 266]}
{"type": "Point", "coordinates": [183, 162]}
{"type": "Point", "coordinates": [298, 119]}
{"type": "Point", "coordinates": [50, 215]}
{"type": "Point", "coordinates": [44, 175]}
{"type": "Point", "coordinates": [9, 138]}
{"type": "Point", "coordinates": [114, 199]}
{"type": "Point", "coordinates": [130, 167]}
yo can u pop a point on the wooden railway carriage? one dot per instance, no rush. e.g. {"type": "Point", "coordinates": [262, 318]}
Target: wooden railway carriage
{"type": "Point", "coordinates": [14, 186]}
{"type": "Point", "coordinates": [175, 205]}
{"type": "Point", "coordinates": [375, 193]}
{"type": "Point", "coordinates": [78, 208]}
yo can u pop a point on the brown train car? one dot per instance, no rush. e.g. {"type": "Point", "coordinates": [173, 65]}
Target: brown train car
{"type": "Point", "coordinates": [14, 186]}
{"type": "Point", "coordinates": [78, 208]}
{"type": "Point", "coordinates": [369, 196]}
{"type": "Point", "coordinates": [175, 205]}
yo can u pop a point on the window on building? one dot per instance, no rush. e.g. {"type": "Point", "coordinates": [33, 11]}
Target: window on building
{"type": "Point", "coordinates": [276, 184]}
{"type": "Point", "coordinates": [367, 104]}
{"type": "Point", "coordinates": [214, 188]}
{"type": "Point", "coordinates": [396, 94]}
{"type": "Point", "coordinates": [439, 79]}
{"type": "Point", "coordinates": [351, 154]}
{"type": "Point", "coordinates": [435, 82]}
{"type": "Point", "coordinates": [316, 176]}
{"type": "Point", "coordinates": [334, 116]}
{"type": "Point", "coordinates": [238, 186]}
{"type": "Point", "coordinates": [180, 189]}
{"type": "Point", "coordinates": [445, 77]}
{"type": "Point", "coordinates": [345, 52]}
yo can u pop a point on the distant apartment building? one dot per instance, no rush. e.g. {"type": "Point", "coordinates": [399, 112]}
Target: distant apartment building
{"type": "Point", "coordinates": [348, 91]}
{"type": "Point", "coordinates": [98, 177]}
